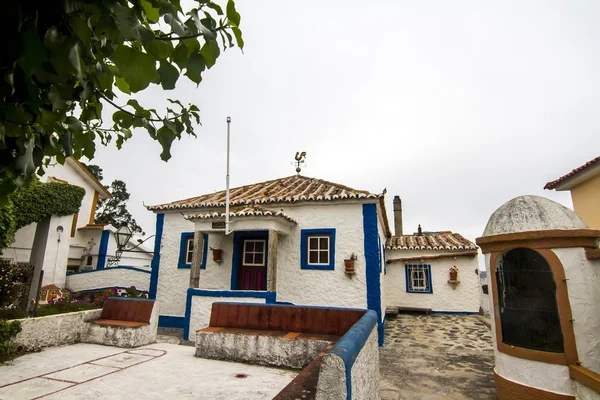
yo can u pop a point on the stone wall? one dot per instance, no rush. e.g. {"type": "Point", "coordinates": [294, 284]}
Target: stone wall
{"type": "Point", "coordinates": [122, 277]}
{"type": "Point", "coordinates": [351, 369]}
{"type": "Point", "coordinates": [54, 330]}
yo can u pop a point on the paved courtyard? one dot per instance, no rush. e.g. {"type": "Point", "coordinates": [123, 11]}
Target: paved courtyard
{"type": "Point", "coordinates": [437, 357]}
{"type": "Point", "coordinates": [158, 371]}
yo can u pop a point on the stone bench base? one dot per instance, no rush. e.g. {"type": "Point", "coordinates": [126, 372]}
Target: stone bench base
{"type": "Point", "coordinates": [270, 348]}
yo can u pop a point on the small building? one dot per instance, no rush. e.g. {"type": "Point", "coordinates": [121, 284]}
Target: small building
{"type": "Point", "coordinates": [543, 264]}
{"type": "Point", "coordinates": [584, 184]}
{"type": "Point", "coordinates": [430, 271]}
{"type": "Point", "coordinates": [50, 292]}
{"type": "Point", "coordinates": [294, 240]}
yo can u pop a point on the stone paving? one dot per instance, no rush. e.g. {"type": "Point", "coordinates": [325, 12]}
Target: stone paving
{"type": "Point", "coordinates": [437, 357]}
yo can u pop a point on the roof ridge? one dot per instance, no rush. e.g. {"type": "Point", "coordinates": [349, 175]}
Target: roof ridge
{"type": "Point", "coordinates": [575, 171]}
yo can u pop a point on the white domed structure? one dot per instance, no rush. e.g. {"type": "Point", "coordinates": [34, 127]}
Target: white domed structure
{"type": "Point", "coordinates": [531, 213]}
{"type": "Point", "coordinates": [543, 264]}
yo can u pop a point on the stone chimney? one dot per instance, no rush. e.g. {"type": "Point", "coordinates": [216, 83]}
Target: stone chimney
{"type": "Point", "coordinates": [397, 216]}
{"type": "Point", "coordinates": [419, 231]}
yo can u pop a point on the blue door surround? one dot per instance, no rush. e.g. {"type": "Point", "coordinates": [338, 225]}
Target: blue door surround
{"type": "Point", "coordinates": [373, 267]}
{"type": "Point", "coordinates": [236, 259]}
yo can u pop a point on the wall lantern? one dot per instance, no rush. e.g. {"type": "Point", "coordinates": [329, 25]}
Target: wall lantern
{"type": "Point", "coordinates": [123, 236]}
{"type": "Point", "coordinates": [349, 264]}
{"type": "Point", "coordinates": [217, 255]}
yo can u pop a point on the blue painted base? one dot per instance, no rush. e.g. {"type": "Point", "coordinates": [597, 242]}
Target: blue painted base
{"type": "Point", "coordinates": [168, 321]}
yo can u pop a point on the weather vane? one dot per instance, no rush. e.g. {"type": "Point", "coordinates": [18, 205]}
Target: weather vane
{"type": "Point", "coordinates": [300, 161]}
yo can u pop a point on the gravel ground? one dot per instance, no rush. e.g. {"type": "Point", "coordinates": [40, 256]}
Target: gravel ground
{"type": "Point", "coordinates": [437, 357]}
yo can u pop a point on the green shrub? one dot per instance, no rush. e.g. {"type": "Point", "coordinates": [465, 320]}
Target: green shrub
{"type": "Point", "coordinates": [64, 307]}
{"type": "Point", "coordinates": [12, 313]}
{"type": "Point", "coordinates": [8, 330]}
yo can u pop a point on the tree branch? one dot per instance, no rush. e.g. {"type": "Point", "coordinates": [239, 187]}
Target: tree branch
{"type": "Point", "coordinates": [133, 114]}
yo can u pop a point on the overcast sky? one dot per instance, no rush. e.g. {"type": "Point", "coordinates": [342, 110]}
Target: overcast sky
{"type": "Point", "coordinates": [455, 106]}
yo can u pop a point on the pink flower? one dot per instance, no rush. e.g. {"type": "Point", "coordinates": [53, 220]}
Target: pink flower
{"type": "Point", "coordinates": [133, 287]}
{"type": "Point", "coordinates": [105, 298]}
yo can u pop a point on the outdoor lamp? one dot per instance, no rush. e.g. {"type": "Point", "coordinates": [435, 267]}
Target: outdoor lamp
{"type": "Point", "coordinates": [122, 235]}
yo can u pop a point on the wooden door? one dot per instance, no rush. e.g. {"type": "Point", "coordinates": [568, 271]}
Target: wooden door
{"type": "Point", "coordinates": [253, 268]}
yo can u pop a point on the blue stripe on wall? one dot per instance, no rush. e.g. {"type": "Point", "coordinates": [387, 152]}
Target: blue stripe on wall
{"type": "Point", "coordinates": [373, 264]}
{"type": "Point", "coordinates": [103, 249]}
{"type": "Point", "coordinates": [168, 321]}
{"type": "Point", "coordinates": [160, 222]}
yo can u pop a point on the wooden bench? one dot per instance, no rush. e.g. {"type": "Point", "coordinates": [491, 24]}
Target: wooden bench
{"type": "Point", "coordinates": [125, 322]}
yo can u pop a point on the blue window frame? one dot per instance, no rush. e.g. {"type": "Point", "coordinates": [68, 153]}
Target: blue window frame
{"type": "Point", "coordinates": [186, 250]}
{"type": "Point", "coordinates": [317, 249]}
{"type": "Point", "coordinates": [418, 278]}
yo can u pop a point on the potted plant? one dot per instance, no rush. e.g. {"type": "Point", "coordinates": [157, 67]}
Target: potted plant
{"type": "Point", "coordinates": [453, 273]}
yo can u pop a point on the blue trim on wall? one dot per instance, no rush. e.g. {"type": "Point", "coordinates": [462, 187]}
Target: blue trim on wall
{"type": "Point", "coordinates": [182, 247]}
{"type": "Point", "coordinates": [236, 258]}
{"type": "Point", "coordinates": [160, 223]}
{"type": "Point", "coordinates": [371, 233]}
{"type": "Point", "coordinates": [304, 233]}
{"type": "Point", "coordinates": [168, 321]}
{"type": "Point", "coordinates": [109, 268]}
{"type": "Point", "coordinates": [407, 268]}
{"type": "Point", "coordinates": [103, 250]}
{"type": "Point", "coordinates": [105, 288]}
{"type": "Point", "coordinates": [270, 298]}
{"type": "Point", "coordinates": [348, 347]}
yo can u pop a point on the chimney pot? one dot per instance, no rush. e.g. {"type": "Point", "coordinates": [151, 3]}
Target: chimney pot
{"type": "Point", "coordinates": [397, 216]}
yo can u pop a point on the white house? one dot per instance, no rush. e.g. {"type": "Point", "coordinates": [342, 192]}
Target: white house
{"type": "Point", "coordinates": [303, 241]}
{"type": "Point", "coordinates": [71, 243]}
{"type": "Point", "coordinates": [289, 241]}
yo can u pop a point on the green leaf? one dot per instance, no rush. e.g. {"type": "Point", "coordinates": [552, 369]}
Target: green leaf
{"type": "Point", "coordinates": [129, 24]}
{"type": "Point", "coordinates": [210, 51]}
{"type": "Point", "coordinates": [215, 7]}
{"type": "Point", "coordinates": [137, 68]}
{"type": "Point", "coordinates": [33, 52]}
{"type": "Point", "coordinates": [165, 137]}
{"type": "Point", "coordinates": [81, 29]}
{"type": "Point", "coordinates": [122, 119]}
{"type": "Point", "coordinates": [24, 162]}
{"type": "Point", "coordinates": [195, 67]}
{"type": "Point", "coordinates": [122, 85]}
{"type": "Point", "coordinates": [238, 37]}
{"type": "Point", "coordinates": [181, 56]}
{"type": "Point", "coordinates": [232, 14]}
{"type": "Point", "coordinates": [75, 61]}
{"type": "Point", "coordinates": [168, 75]}
{"type": "Point", "coordinates": [152, 13]}
{"type": "Point", "coordinates": [159, 49]}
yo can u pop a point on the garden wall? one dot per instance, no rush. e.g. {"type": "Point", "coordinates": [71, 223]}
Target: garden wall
{"type": "Point", "coordinates": [54, 330]}
{"type": "Point", "coordinates": [120, 277]}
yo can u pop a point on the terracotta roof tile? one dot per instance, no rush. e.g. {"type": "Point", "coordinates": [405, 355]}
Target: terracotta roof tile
{"type": "Point", "coordinates": [91, 227]}
{"type": "Point", "coordinates": [551, 185]}
{"type": "Point", "coordinates": [242, 212]}
{"type": "Point", "coordinates": [284, 190]}
{"type": "Point", "coordinates": [430, 241]}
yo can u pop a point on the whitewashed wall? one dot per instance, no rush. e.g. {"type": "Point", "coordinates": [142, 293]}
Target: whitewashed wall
{"type": "Point", "coordinates": [324, 288]}
{"type": "Point", "coordinates": [172, 282]}
{"type": "Point", "coordinates": [109, 277]}
{"type": "Point", "coordinates": [485, 299]}
{"type": "Point", "coordinates": [583, 282]}
{"type": "Point", "coordinates": [202, 307]}
{"type": "Point", "coordinates": [365, 370]}
{"type": "Point", "coordinates": [462, 297]}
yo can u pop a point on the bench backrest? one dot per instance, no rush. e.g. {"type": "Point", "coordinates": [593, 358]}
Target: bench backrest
{"type": "Point", "coordinates": [127, 309]}
{"type": "Point", "coordinates": [316, 320]}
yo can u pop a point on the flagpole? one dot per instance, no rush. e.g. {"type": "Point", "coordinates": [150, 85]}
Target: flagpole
{"type": "Point", "coordinates": [227, 232]}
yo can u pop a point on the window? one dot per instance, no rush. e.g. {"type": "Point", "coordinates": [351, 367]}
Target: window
{"type": "Point", "coordinates": [418, 278]}
{"type": "Point", "coordinates": [254, 253]}
{"type": "Point", "coordinates": [89, 261]}
{"type": "Point", "coordinates": [189, 250]}
{"type": "Point", "coordinates": [527, 302]}
{"type": "Point", "coordinates": [317, 249]}
{"type": "Point", "coordinates": [186, 250]}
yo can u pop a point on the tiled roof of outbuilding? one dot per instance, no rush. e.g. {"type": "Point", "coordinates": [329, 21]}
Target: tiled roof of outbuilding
{"type": "Point", "coordinates": [430, 241]}
{"type": "Point", "coordinates": [284, 190]}
{"type": "Point", "coordinates": [242, 212]}
{"type": "Point", "coordinates": [551, 185]}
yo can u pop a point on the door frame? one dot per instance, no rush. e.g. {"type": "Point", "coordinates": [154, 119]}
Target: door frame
{"type": "Point", "coordinates": [236, 258]}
